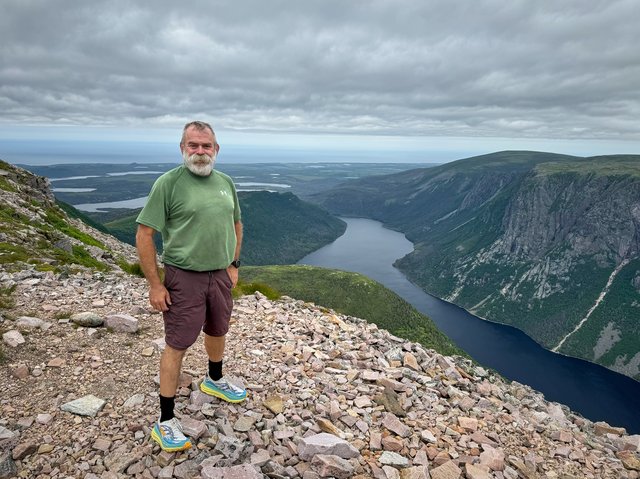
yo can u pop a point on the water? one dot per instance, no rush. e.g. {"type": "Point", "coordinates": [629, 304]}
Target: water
{"type": "Point", "coordinates": [594, 391]}
{"type": "Point", "coordinates": [100, 207]}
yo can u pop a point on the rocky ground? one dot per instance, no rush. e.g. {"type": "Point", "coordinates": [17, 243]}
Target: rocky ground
{"type": "Point", "coordinates": [328, 396]}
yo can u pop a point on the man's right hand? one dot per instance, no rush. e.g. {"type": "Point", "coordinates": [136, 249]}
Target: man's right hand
{"type": "Point", "coordinates": [159, 298]}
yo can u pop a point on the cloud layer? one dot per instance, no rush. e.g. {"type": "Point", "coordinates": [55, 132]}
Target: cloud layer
{"type": "Point", "coordinates": [484, 68]}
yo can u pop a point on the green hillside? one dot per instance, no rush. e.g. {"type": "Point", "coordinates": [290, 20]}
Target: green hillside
{"type": "Point", "coordinates": [279, 228]}
{"type": "Point", "coordinates": [524, 238]}
{"type": "Point", "coordinates": [355, 295]}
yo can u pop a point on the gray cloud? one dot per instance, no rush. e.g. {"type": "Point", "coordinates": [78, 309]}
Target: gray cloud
{"type": "Point", "coordinates": [485, 68]}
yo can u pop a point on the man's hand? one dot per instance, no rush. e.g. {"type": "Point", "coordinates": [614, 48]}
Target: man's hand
{"type": "Point", "coordinates": [232, 271]}
{"type": "Point", "coordinates": [159, 298]}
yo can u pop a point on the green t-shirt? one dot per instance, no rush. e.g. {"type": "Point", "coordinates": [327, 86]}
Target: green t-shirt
{"type": "Point", "coordinates": [196, 216]}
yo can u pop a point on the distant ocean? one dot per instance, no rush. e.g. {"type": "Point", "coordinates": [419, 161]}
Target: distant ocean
{"type": "Point", "coordinates": [65, 151]}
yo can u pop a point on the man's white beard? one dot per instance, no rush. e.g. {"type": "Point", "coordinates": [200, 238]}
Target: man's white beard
{"type": "Point", "coordinates": [201, 165]}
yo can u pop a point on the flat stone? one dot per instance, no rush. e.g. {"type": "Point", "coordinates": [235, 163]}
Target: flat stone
{"type": "Point", "coordinates": [21, 371]}
{"type": "Point", "coordinates": [363, 402]}
{"type": "Point", "coordinates": [13, 338]}
{"type": "Point", "coordinates": [121, 323]}
{"type": "Point", "coordinates": [410, 361]}
{"type": "Point", "coordinates": [44, 418]}
{"type": "Point", "coordinates": [102, 444]}
{"type": "Point", "coordinates": [332, 466]}
{"type": "Point", "coordinates": [166, 473]}
{"type": "Point", "coordinates": [56, 363]}
{"type": "Point", "coordinates": [393, 459]}
{"type": "Point", "coordinates": [119, 460]}
{"type": "Point", "coordinates": [427, 436]}
{"type": "Point", "coordinates": [23, 450]}
{"type": "Point", "coordinates": [392, 443]}
{"type": "Point", "coordinates": [244, 423]}
{"type": "Point", "coordinates": [327, 426]}
{"type": "Point", "coordinates": [492, 458]}
{"type": "Point", "coordinates": [629, 460]}
{"type": "Point", "coordinates": [134, 401]}
{"type": "Point", "coordinates": [229, 447]}
{"type": "Point", "coordinates": [45, 448]}
{"type": "Point", "coordinates": [260, 458]}
{"type": "Point", "coordinates": [369, 375]}
{"type": "Point", "coordinates": [88, 405]}
{"type": "Point", "coordinates": [28, 322]}
{"type": "Point", "coordinates": [448, 470]}
{"type": "Point", "coordinates": [158, 344]}
{"type": "Point", "coordinates": [148, 352]}
{"type": "Point", "coordinates": [389, 399]}
{"type": "Point", "coordinates": [327, 444]}
{"type": "Point", "coordinates": [245, 471]}
{"type": "Point", "coordinates": [393, 424]}
{"type": "Point", "coordinates": [602, 429]}
{"type": "Point", "coordinates": [193, 428]}
{"type": "Point", "coordinates": [186, 470]}
{"type": "Point", "coordinates": [468, 423]}
{"type": "Point", "coordinates": [415, 472]}
{"type": "Point", "coordinates": [87, 319]}
{"type": "Point", "coordinates": [199, 399]}
{"type": "Point", "coordinates": [7, 434]}
{"type": "Point", "coordinates": [476, 471]}
{"type": "Point", "coordinates": [275, 404]}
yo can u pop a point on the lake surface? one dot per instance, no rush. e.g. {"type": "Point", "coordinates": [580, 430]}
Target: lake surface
{"type": "Point", "coordinates": [591, 390]}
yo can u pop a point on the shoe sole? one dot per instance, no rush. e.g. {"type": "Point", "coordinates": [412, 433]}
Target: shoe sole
{"type": "Point", "coordinates": [213, 392]}
{"type": "Point", "coordinates": [158, 439]}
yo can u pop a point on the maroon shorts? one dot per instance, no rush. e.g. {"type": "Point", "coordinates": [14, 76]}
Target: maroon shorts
{"type": "Point", "coordinates": [200, 301]}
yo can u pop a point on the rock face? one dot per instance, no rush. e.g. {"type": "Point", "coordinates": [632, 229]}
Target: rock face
{"type": "Point", "coordinates": [307, 370]}
{"type": "Point", "coordinates": [546, 243]}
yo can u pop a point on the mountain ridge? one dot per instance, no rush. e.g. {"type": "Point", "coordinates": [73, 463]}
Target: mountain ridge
{"type": "Point", "coordinates": [523, 238]}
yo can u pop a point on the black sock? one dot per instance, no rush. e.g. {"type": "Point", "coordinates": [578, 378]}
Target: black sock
{"type": "Point", "coordinates": [166, 408]}
{"type": "Point", "coordinates": [215, 370]}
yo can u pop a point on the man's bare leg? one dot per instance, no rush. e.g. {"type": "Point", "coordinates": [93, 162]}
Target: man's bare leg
{"type": "Point", "coordinates": [215, 347]}
{"type": "Point", "coordinates": [170, 365]}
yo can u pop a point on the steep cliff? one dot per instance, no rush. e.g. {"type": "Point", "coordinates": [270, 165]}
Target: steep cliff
{"type": "Point", "coordinates": [35, 232]}
{"type": "Point", "coordinates": [547, 243]}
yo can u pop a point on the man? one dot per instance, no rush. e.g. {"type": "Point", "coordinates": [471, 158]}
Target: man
{"type": "Point", "coordinates": [196, 209]}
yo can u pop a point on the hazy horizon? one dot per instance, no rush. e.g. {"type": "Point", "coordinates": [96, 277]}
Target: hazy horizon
{"type": "Point", "coordinates": [162, 147]}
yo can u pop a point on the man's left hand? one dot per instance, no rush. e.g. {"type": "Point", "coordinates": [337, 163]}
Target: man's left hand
{"type": "Point", "coordinates": [232, 271]}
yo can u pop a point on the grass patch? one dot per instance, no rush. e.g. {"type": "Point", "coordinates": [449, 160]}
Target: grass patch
{"type": "Point", "coordinates": [132, 268]}
{"type": "Point", "coordinates": [243, 288]}
{"type": "Point", "coordinates": [11, 253]}
{"type": "Point", "coordinates": [6, 297]}
{"type": "Point", "coordinates": [56, 221]}
{"type": "Point", "coordinates": [6, 185]}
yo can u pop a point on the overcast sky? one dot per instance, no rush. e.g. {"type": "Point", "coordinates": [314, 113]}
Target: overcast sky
{"type": "Point", "coordinates": [492, 73]}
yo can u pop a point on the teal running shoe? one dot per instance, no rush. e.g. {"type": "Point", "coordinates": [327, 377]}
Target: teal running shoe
{"type": "Point", "coordinates": [170, 436]}
{"type": "Point", "coordinates": [223, 389]}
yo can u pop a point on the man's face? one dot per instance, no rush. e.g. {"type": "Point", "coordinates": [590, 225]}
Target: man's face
{"type": "Point", "coordinates": [199, 151]}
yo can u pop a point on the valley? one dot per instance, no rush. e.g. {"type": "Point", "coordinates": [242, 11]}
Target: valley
{"type": "Point", "coordinates": [527, 239]}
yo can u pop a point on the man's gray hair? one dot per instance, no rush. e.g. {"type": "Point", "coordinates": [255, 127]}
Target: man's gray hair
{"type": "Point", "coordinates": [198, 125]}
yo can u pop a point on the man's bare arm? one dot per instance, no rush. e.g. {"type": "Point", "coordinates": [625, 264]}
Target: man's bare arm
{"type": "Point", "coordinates": [233, 272]}
{"type": "Point", "coordinates": [158, 294]}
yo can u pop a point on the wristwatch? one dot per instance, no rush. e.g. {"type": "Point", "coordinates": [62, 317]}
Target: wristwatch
{"type": "Point", "coordinates": [235, 263]}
